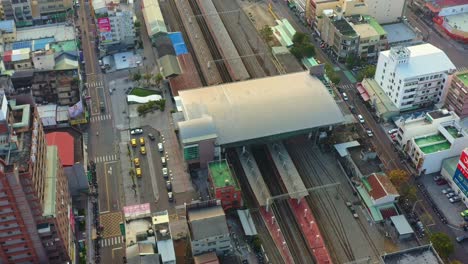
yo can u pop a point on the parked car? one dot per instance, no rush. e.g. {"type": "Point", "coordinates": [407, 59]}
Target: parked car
{"type": "Point", "coordinates": [441, 182]}
{"type": "Point", "coordinates": [137, 162]}
{"type": "Point", "coordinates": [392, 131]}
{"type": "Point", "coordinates": [138, 172]}
{"type": "Point", "coordinates": [160, 147]}
{"type": "Point", "coordinates": [361, 119]}
{"type": "Point", "coordinates": [464, 213]}
{"type": "Point", "coordinates": [170, 196]}
{"type": "Point", "coordinates": [345, 96]}
{"type": "Point", "coordinates": [163, 161]}
{"type": "Point", "coordinates": [151, 136]}
{"type": "Point", "coordinates": [169, 186]}
{"type": "Point", "coordinates": [461, 238]}
{"type": "Point", "coordinates": [447, 190]}
{"type": "Point", "coordinates": [369, 133]}
{"type": "Point", "coordinates": [455, 199]}
{"type": "Point", "coordinates": [165, 173]}
{"type": "Point", "coordinates": [450, 195]}
{"type": "Point", "coordinates": [142, 141]}
{"type": "Point", "coordinates": [136, 131]}
{"type": "Point", "coordinates": [133, 142]}
{"type": "Point", "coordinates": [143, 150]}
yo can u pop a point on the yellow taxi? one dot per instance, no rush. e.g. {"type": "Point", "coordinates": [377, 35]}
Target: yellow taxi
{"type": "Point", "coordinates": [143, 150]}
{"type": "Point", "coordinates": [142, 141]}
{"type": "Point", "coordinates": [137, 162]}
{"type": "Point", "coordinates": [138, 172]}
{"type": "Point", "coordinates": [133, 142]}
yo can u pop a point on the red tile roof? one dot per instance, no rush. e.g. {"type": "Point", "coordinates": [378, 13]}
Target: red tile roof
{"type": "Point", "coordinates": [381, 186]}
{"type": "Point", "coordinates": [189, 78]}
{"type": "Point", "coordinates": [65, 144]}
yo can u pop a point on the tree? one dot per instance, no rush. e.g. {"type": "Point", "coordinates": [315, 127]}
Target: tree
{"type": "Point", "coordinates": [351, 61]}
{"type": "Point", "coordinates": [296, 52]}
{"type": "Point", "coordinates": [398, 177]}
{"type": "Point", "coordinates": [147, 77]}
{"type": "Point", "coordinates": [408, 192]}
{"type": "Point", "coordinates": [442, 244]}
{"type": "Point", "coordinates": [136, 77]}
{"type": "Point", "coordinates": [267, 33]}
{"type": "Point", "coordinates": [158, 78]}
{"type": "Point", "coordinates": [335, 78]}
{"type": "Point", "coordinates": [308, 50]}
{"type": "Point", "coordinates": [137, 24]}
{"type": "Point", "coordinates": [256, 243]}
{"type": "Point", "coordinates": [299, 38]}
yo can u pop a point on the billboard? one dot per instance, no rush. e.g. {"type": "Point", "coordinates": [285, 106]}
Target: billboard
{"type": "Point", "coordinates": [104, 24]}
{"type": "Point", "coordinates": [105, 37]}
{"type": "Point", "coordinates": [463, 163]}
{"type": "Point", "coordinates": [461, 181]}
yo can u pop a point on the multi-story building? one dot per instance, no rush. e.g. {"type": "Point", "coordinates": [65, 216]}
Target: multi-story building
{"type": "Point", "coordinates": [7, 31]}
{"type": "Point", "coordinates": [223, 185]}
{"type": "Point", "coordinates": [59, 87]}
{"type": "Point", "coordinates": [115, 22]}
{"type": "Point", "coordinates": [457, 94]}
{"type": "Point", "coordinates": [46, 8]}
{"type": "Point", "coordinates": [31, 196]}
{"type": "Point", "coordinates": [455, 171]}
{"type": "Point", "coordinates": [372, 37]}
{"type": "Point", "coordinates": [315, 8]}
{"type": "Point", "coordinates": [164, 241]}
{"type": "Point", "coordinates": [208, 228]}
{"type": "Point", "coordinates": [386, 11]}
{"type": "Point", "coordinates": [409, 76]}
{"type": "Point", "coordinates": [429, 138]}
{"type": "Point", "coordinates": [27, 10]}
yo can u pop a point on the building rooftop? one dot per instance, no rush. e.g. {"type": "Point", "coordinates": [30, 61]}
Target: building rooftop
{"type": "Point", "coordinates": [421, 255]}
{"type": "Point", "coordinates": [207, 258]}
{"type": "Point", "coordinates": [458, 21]}
{"type": "Point", "coordinates": [401, 224]}
{"type": "Point", "coordinates": [7, 26]}
{"type": "Point", "coordinates": [154, 19]}
{"type": "Point", "coordinates": [344, 27]}
{"type": "Point", "coordinates": [221, 174]}
{"type": "Point", "coordinates": [432, 143]}
{"type": "Point", "coordinates": [238, 108]}
{"type": "Point", "coordinates": [464, 78]}
{"type": "Point", "coordinates": [375, 25]}
{"type": "Point", "coordinates": [207, 222]}
{"type": "Point", "coordinates": [420, 57]}
{"type": "Point", "coordinates": [166, 250]}
{"type": "Point", "coordinates": [399, 32]}
{"type": "Point", "coordinates": [50, 181]}
{"type": "Point", "coordinates": [368, 166]}
{"type": "Point", "coordinates": [380, 186]}
{"type": "Point", "coordinates": [365, 30]}
{"type": "Point", "coordinates": [65, 144]}
{"type": "Point", "coordinates": [60, 32]}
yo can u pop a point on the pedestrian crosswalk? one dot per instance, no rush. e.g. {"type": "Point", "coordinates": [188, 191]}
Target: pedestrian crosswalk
{"type": "Point", "coordinates": [110, 241]}
{"type": "Point", "coordinates": [99, 118]}
{"type": "Point", "coordinates": [105, 158]}
{"type": "Point", "coordinates": [95, 84]}
{"type": "Point", "coordinates": [347, 86]}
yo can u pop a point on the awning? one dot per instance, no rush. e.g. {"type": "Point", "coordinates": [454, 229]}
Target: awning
{"type": "Point", "coordinates": [362, 91]}
{"type": "Point", "coordinates": [365, 96]}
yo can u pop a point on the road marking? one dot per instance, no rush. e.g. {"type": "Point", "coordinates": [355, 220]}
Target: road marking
{"type": "Point", "coordinates": [99, 118]}
{"type": "Point", "coordinates": [106, 158]}
{"type": "Point", "coordinates": [111, 241]}
{"type": "Point", "coordinates": [107, 185]}
{"type": "Point", "coordinates": [119, 248]}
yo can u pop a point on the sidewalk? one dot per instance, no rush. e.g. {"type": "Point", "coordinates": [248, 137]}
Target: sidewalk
{"type": "Point", "coordinates": [278, 237]}
{"type": "Point", "coordinates": [131, 196]}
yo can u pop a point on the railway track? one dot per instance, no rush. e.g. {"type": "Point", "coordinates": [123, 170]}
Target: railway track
{"type": "Point", "coordinates": [174, 13]}
{"type": "Point", "coordinates": [267, 241]}
{"type": "Point", "coordinates": [282, 210]}
{"type": "Point", "coordinates": [223, 71]}
{"type": "Point", "coordinates": [324, 198]}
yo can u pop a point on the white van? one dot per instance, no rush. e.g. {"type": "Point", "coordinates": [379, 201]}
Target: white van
{"type": "Point", "coordinates": [160, 147]}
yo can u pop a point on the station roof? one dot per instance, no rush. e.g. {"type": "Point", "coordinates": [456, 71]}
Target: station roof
{"type": "Point", "coordinates": [263, 107]}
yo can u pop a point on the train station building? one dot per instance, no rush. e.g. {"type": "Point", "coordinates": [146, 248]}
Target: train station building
{"type": "Point", "coordinates": [257, 111]}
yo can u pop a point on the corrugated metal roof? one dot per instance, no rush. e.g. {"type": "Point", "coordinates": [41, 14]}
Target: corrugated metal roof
{"type": "Point", "coordinates": [16, 55]}
{"type": "Point", "coordinates": [401, 224]}
{"type": "Point", "coordinates": [50, 181]}
{"type": "Point", "coordinates": [65, 144]}
{"type": "Point", "coordinates": [153, 17]}
{"type": "Point", "coordinates": [7, 26]}
{"type": "Point", "coordinates": [263, 107]}
{"type": "Point", "coordinates": [170, 65]}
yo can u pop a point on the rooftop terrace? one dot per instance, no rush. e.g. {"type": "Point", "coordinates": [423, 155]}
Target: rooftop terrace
{"type": "Point", "coordinates": [221, 174]}
{"type": "Point", "coordinates": [432, 143]}
{"type": "Point", "coordinates": [464, 78]}
{"type": "Point", "coordinates": [344, 27]}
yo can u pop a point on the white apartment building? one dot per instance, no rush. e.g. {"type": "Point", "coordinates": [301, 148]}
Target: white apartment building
{"type": "Point", "coordinates": [414, 76]}
{"type": "Point", "coordinates": [429, 138]}
{"type": "Point", "coordinates": [122, 26]}
{"type": "Point", "coordinates": [386, 11]}
{"type": "Point", "coordinates": [208, 228]}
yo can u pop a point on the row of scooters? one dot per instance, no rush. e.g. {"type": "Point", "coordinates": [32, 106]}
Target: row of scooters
{"type": "Point", "coordinates": [94, 201]}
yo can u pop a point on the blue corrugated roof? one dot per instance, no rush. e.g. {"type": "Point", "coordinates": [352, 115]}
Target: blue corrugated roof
{"type": "Point", "coordinates": [40, 44]}
{"type": "Point", "coordinates": [7, 25]}
{"type": "Point", "coordinates": [178, 43]}
{"type": "Point", "coordinates": [22, 45]}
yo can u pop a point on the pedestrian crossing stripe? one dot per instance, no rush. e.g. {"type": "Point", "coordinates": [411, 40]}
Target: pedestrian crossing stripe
{"type": "Point", "coordinates": [111, 241]}
{"type": "Point", "coordinates": [105, 158]}
{"type": "Point", "coordinates": [461, 69]}
{"type": "Point", "coordinates": [347, 86]}
{"type": "Point", "coordinates": [95, 84]}
{"type": "Point", "coordinates": [100, 118]}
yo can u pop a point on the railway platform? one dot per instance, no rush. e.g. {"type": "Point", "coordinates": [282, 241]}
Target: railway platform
{"type": "Point", "coordinates": [310, 230]}
{"type": "Point", "coordinates": [277, 235]}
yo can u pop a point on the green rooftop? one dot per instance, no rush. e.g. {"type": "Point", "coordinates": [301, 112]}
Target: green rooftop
{"type": "Point", "coordinates": [453, 131]}
{"type": "Point", "coordinates": [432, 143]}
{"type": "Point", "coordinates": [221, 174]}
{"type": "Point", "coordinates": [375, 25]}
{"type": "Point", "coordinates": [464, 78]}
{"type": "Point", "coordinates": [64, 46]}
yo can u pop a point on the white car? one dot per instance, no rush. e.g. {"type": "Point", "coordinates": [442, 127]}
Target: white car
{"type": "Point", "coordinates": [361, 119]}
{"type": "Point", "coordinates": [165, 172]}
{"type": "Point", "coordinates": [447, 190]}
{"type": "Point", "coordinates": [136, 131]}
{"type": "Point", "coordinates": [392, 131]}
{"type": "Point", "coordinates": [369, 133]}
{"type": "Point", "coordinates": [160, 147]}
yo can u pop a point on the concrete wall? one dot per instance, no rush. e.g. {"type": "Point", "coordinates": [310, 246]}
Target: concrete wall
{"type": "Point", "coordinates": [386, 11]}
